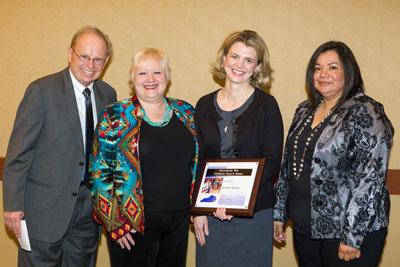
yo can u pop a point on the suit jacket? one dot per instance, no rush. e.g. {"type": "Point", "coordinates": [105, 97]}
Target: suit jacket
{"type": "Point", "coordinates": [45, 157]}
{"type": "Point", "coordinates": [349, 197]}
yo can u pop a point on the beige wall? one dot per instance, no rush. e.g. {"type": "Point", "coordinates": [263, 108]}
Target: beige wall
{"type": "Point", "coordinates": [34, 37]}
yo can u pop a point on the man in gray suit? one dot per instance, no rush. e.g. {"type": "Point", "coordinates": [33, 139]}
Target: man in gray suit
{"type": "Point", "coordinates": [46, 166]}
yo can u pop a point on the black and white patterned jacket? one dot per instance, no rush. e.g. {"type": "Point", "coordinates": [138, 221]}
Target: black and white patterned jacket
{"type": "Point", "coordinates": [349, 197]}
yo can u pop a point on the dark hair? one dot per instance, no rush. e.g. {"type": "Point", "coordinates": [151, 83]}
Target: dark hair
{"type": "Point", "coordinates": [353, 82]}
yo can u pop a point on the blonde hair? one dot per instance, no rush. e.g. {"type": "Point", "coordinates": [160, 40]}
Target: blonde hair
{"type": "Point", "coordinates": [145, 52]}
{"type": "Point", "coordinates": [96, 31]}
{"type": "Point", "coordinates": [262, 76]}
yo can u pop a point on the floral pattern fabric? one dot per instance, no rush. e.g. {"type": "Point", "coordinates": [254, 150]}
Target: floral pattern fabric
{"type": "Point", "coordinates": [115, 180]}
{"type": "Point", "coordinates": [349, 197]}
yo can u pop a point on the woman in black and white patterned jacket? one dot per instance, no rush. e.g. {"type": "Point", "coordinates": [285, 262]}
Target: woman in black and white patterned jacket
{"type": "Point", "coordinates": [332, 180]}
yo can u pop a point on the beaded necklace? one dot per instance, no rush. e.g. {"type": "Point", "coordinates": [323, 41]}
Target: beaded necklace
{"type": "Point", "coordinates": [298, 165]}
{"type": "Point", "coordinates": [166, 116]}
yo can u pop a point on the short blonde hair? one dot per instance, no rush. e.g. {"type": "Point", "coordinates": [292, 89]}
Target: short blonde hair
{"type": "Point", "coordinates": [145, 52]}
{"type": "Point", "coordinates": [262, 76]}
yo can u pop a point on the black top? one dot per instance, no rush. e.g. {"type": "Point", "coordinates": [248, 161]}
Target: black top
{"type": "Point", "coordinates": [259, 134]}
{"type": "Point", "coordinates": [166, 155]}
{"type": "Point", "coordinates": [299, 201]}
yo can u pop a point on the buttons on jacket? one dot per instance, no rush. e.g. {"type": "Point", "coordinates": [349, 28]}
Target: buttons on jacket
{"type": "Point", "coordinates": [318, 203]}
{"type": "Point", "coordinates": [74, 194]}
{"type": "Point", "coordinates": [317, 160]}
{"type": "Point", "coordinates": [81, 163]}
{"type": "Point", "coordinates": [318, 182]}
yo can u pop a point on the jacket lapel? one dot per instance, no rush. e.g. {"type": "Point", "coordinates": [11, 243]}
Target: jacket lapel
{"type": "Point", "coordinates": [70, 108]}
{"type": "Point", "coordinates": [301, 113]}
{"type": "Point", "coordinates": [100, 100]}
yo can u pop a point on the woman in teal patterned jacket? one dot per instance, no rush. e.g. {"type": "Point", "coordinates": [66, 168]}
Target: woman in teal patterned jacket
{"type": "Point", "coordinates": [160, 180]}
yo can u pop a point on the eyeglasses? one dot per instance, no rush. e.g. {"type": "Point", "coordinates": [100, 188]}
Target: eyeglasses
{"type": "Point", "coordinates": [86, 59]}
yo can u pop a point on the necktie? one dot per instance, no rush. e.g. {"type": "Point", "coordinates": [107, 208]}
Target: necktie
{"type": "Point", "coordinates": [89, 132]}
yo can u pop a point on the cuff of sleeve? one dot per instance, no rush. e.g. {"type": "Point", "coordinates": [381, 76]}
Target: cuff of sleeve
{"type": "Point", "coordinates": [120, 231]}
{"type": "Point", "coordinates": [278, 215]}
{"type": "Point", "coordinates": [352, 240]}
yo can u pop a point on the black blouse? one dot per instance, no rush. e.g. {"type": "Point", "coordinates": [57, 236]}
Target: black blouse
{"type": "Point", "coordinates": [299, 201]}
{"type": "Point", "coordinates": [166, 155]}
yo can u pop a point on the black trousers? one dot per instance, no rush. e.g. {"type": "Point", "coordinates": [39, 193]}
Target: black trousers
{"type": "Point", "coordinates": [324, 252]}
{"type": "Point", "coordinates": [164, 242]}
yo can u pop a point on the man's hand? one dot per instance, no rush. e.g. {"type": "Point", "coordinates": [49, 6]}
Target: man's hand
{"type": "Point", "coordinates": [12, 220]}
{"type": "Point", "coordinates": [348, 253]}
{"type": "Point", "coordinates": [126, 241]}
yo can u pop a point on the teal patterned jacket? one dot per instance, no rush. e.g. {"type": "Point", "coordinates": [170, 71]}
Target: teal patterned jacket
{"type": "Point", "coordinates": [115, 180]}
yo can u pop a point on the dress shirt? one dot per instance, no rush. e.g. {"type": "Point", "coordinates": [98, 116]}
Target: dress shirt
{"type": "Point", "coordinates": [80, 101]}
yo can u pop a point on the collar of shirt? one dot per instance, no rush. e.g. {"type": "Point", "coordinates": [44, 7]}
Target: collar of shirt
{"type": "Point", "coordinates": [78, 87]}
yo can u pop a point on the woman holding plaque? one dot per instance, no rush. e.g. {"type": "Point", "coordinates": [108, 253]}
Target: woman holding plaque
{"type": "Point", "coordinates": [143, 167]}
{"type": "Point", "coordinates": [332, 181]}
{"type": "Point", "coordinates": [240, 121]}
